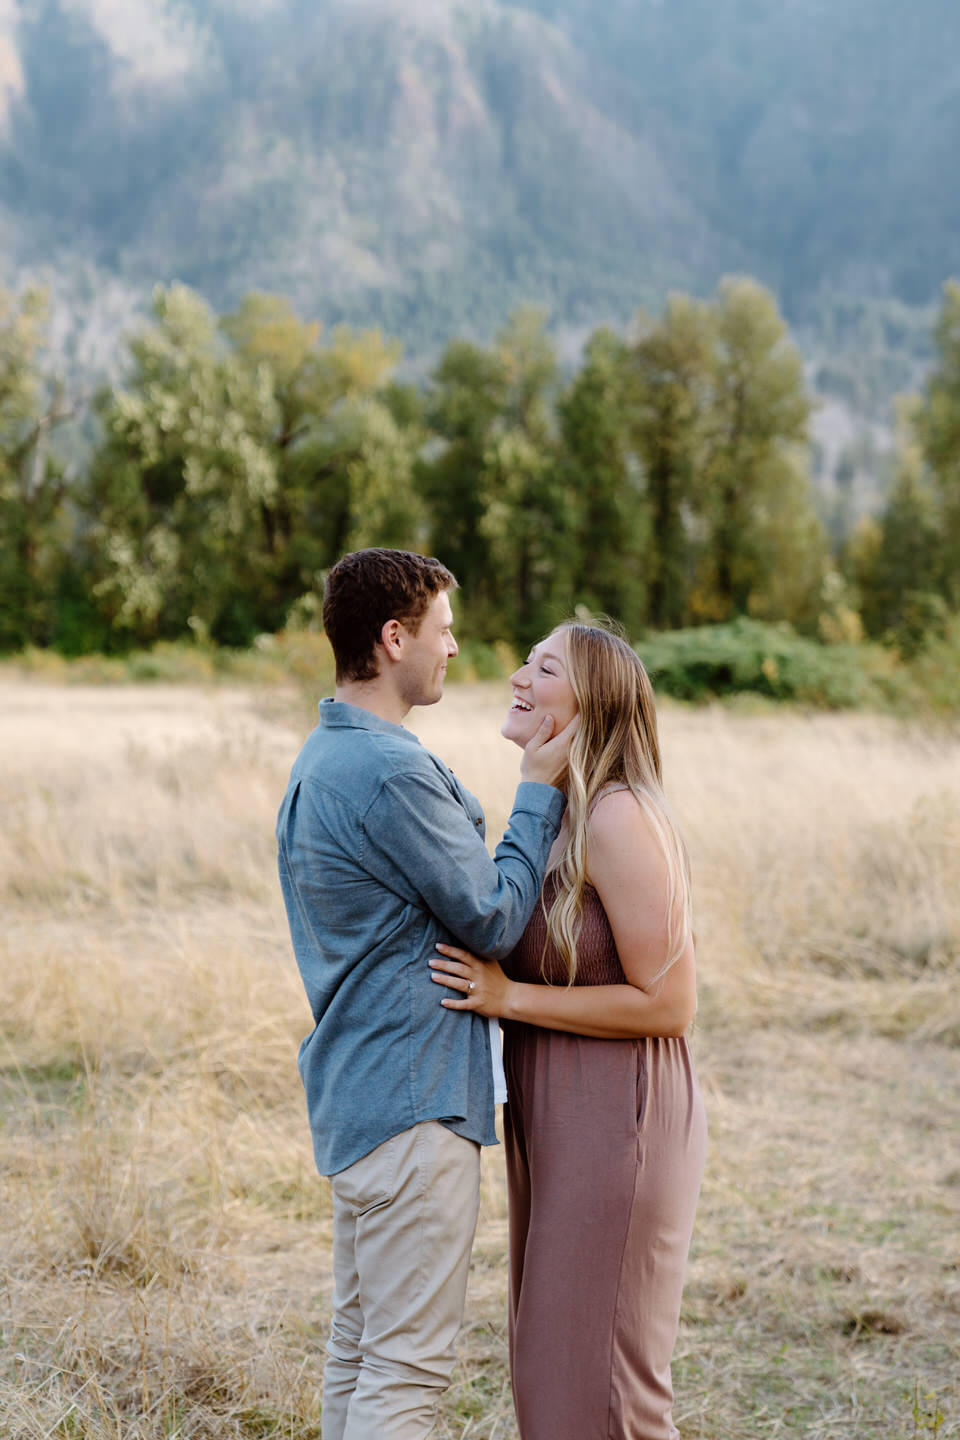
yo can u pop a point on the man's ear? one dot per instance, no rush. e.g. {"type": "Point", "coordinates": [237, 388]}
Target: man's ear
{"type": "Point", "coordinates": [391, 639]}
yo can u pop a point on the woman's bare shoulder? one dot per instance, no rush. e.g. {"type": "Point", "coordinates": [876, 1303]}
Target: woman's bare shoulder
{"type": "Point", "coordinates": [611, 801]}
{"type": "Point", "coordinates": [616, 805]}
{"type": "Point", "coordinates": [619, 822]}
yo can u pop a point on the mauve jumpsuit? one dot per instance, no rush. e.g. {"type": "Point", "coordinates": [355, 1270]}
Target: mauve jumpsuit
{"type": "Point", "coordinates": [605, 1145]}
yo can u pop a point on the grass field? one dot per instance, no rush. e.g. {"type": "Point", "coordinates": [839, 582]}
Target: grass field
{"type": "Point", "coordinates": [165, 1241]}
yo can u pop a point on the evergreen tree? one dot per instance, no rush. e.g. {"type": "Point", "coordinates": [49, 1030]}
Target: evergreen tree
{"type": "Point", "coordinates": [897, 572]}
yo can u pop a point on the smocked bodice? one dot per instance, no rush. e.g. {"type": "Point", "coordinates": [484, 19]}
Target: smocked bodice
{"type": "Point", "coordinates": [597, 960]}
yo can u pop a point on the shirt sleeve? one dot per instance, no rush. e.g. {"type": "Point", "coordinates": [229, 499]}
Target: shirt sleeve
{"type": "Point", "coordinates": [417, 832]}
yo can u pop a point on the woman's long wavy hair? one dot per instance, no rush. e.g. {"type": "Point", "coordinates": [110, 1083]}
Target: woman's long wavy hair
{"type": "Point", "coordinates": [615, 746]}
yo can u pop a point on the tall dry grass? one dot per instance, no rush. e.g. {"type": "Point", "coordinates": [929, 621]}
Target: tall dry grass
{"type": "Point", "coordinates": [165, 1242]}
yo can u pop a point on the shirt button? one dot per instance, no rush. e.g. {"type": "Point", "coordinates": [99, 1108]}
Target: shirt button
{"type": "Point", "coordinates": [479, 820]}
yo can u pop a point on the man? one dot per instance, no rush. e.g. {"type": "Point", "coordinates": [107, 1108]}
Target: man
{"type": "Point", "coordinates": [381, 856]}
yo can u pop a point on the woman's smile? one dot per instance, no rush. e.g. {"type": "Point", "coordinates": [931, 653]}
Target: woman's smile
{"type": "Point", "coordinates": [541, 687]}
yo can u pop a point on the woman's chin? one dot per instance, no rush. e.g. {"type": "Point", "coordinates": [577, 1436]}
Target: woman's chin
{"type": "Point", "coordinates": [514, 729]}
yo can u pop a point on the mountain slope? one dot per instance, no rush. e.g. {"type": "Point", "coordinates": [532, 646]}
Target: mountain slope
{"type": "Point", "coordinates": [427, 164]}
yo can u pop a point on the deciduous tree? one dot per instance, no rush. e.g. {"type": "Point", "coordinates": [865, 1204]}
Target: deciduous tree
{"type": "Point", "coordinates": [180, 484]}
{"type": "Point", "coordinates": [600, 473]}
{"type": "Point", "coordinates": [671, 370]}
{"type": "Point", "coordinates": [758, 416]}
{"type": "Point", "coordinates": [33, 486]}
{"type": "Point", "coordinates": [937, 423]}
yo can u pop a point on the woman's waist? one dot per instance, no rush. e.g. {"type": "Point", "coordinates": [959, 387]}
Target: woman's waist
{"type": "Point", "coordinates": [660, 1051]}
{"type": "Point", "coordinates": [549, 968]}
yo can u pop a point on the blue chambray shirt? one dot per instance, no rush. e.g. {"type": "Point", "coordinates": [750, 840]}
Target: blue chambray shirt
{"type": "Point", "coordinates": [381, 854]}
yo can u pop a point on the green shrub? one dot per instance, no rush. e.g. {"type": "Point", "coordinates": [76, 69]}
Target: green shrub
{"type": "Point", "coordinates": [935, 671]}
{"type": "Point", "coordinates": [78, 628]}
{"type": "Point", "coordinates": [742, 658]}
{"type": "Point", "coordinates": [923, 619]}
{"type": "Point", "coordinates": [747, 656]}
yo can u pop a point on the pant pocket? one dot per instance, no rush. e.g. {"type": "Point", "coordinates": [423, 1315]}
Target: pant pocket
{"type": "Point", "coordinates": [643, 1081]}
{"type": "Point", "coordinates": [371, 1180]}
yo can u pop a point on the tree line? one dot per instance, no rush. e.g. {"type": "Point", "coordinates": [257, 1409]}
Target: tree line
{"type": "Point", "coordinates": [665, 481]}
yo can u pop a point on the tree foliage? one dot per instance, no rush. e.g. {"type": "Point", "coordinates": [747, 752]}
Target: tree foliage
{"type": "Point", "coordinates": [938, 430]}
{"type": "Point", "coordinates": [33, 531]}
{"type": "Point", "coordinates": [664, 481]}
{"type": "Point", "coordinates": [754, 493]}
{"type": "Point", "coordinates": [498, 512]}
{"type": "Point", "coordinates": [180, 485]}
{"type": "Point", "coordinates": [238, 456]}
{"type": "Point", "coordinates": [599, 470]}
{"type": "Point", "coordinates": [672, 392]}
{"type": "Point", "coordinates": [907, 566]}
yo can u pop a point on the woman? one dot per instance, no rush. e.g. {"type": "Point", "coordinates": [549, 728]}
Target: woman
{"type": "Point", "coordinates": [604, 1128]}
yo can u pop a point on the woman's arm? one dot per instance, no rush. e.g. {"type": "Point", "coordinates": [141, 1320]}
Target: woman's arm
{"type": "Point", "coordinates": [628, 870]}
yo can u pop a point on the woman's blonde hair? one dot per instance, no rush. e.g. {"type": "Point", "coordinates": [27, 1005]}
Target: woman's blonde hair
{"type": "Point", "coordinates": [615, 746]}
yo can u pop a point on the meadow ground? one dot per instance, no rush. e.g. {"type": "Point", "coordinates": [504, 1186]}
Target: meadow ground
{"type": "Point", "coordinates": [164, 1240]}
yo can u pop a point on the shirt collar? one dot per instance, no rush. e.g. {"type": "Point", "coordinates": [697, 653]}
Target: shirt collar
{"type": "Point", "coordinates": [338, 714]}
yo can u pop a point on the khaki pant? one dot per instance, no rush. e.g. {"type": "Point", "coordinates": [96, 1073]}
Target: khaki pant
{"type": "Point", "coordinates": [403, 1223]}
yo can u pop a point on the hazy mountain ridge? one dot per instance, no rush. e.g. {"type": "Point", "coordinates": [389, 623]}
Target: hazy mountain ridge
{"type": "Point", "coordinates": [426, 165]}
{"type": "Point", "coordinates": [361, 150]}
{"type": "Point", "coordinates": [812, 122]}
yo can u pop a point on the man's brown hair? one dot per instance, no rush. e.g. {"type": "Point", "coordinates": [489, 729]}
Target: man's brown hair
{"type": "Point", "coordinates": [366, 589]}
